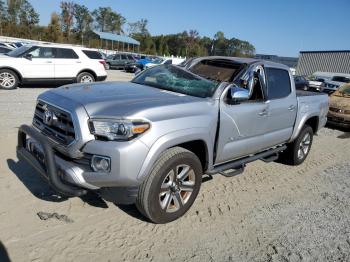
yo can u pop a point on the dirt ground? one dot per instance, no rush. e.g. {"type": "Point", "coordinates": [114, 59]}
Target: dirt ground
{"type": "Point", "coordinates": [271, 212]}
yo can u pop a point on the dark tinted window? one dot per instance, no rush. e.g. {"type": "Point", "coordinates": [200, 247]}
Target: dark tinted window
{"type": "Point", "coordinates": [66, 53]}
{"type": "Point", "coordinates": [278, 83]}
{"type": "Point", "coordinates": [4, 49]}
{"type": "Point", "coordinates": [123, 57]}
{"type": "Point", "coordinates": [130, 57]}
{"type": "Point", "coordinates": [116, 57]}
{"type": "Point", "coordinates": [341, 79]}
{"type": "Point", "coordinates": [92, 54]}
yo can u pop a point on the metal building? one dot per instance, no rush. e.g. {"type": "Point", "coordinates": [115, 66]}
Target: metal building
{"type": "Point", "coordinates": [323, 61]}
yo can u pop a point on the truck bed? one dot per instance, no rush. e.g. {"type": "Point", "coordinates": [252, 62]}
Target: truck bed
{"type": "Point", "coordinates": [308, 93]}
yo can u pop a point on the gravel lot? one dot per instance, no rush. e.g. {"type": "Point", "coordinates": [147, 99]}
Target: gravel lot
{"type": "Point", "coordinates": [271, 212]}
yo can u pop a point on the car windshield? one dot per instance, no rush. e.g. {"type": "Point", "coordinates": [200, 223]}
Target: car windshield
{"type": "Point", "coordinates": [173, 78]}
{"type": "Point", "coordinates": [18, 51]}
{"type": "Point", "coordinates": [344, 90]}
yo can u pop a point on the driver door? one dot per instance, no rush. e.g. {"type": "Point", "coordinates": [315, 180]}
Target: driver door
{"type": "Point", "coordinates": [243, 125]}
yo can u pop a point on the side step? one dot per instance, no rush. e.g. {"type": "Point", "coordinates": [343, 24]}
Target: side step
{"type": "Point", "coordinates": [238, 165]}
{"type": "Point", "coordinates": [234, 172]}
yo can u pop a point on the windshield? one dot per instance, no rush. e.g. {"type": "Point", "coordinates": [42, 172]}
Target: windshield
{"type": "Point", "coordinates": [18, 51]}
{"type": "Point", "coordinates": [173, 78]}
{"type": "Point", "coordinates": [343, 91]}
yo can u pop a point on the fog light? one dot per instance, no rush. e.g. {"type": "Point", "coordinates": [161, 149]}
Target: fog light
{"type": "Point", "coordinates": [101, 163]}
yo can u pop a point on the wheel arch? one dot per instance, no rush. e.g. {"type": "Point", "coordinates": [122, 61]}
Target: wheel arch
{"type": "Point", "coordinates": [311, 120]}
{"type": "Point", "coordinates": [87, 70]}
{"type": "Point", "coordinates": [194, 140]}
{"type": "Point", "coordinates": [20, 77]}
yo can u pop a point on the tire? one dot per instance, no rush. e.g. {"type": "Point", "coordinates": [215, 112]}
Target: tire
{"type": "Point", "coordinates": [8, 79]}
{"type": "Point", "coordinates": [108, 66]}
{"type": "Point", "coordinates": [85, 77]}
{"type": "Point", "coordinates": [178, 194]}
{"type": "Point", "coordinates": [298, 150]}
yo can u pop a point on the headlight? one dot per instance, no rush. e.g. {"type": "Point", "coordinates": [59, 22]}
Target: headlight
{"type": "Point", "coordinates": [119, 129]}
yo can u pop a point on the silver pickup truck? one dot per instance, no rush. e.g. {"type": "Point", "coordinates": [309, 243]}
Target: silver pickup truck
{"type": "Point", "coordinates": [149, 141]}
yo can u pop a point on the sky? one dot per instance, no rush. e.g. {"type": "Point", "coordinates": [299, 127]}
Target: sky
{"type": "Point", "coordinates": [275, 27]}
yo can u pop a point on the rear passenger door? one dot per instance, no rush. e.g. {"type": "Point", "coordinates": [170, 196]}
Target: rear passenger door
{"type": "Point", "coordinates": [282, 106]}
{"type": "Point", "coordinates": [67, 63]}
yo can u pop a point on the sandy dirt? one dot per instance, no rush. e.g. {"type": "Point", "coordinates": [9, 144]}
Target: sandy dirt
{"type": "Point", "coordinates": [272, 212]}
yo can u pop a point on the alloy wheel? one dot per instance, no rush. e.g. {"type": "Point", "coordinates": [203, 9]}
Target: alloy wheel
{"type": "Point", "coordinates": [304, 146]}
{"type": "Point", "coordinates": [7, 80]}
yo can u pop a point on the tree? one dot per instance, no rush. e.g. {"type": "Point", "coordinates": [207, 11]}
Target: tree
{"type": "Point", "coordinates": [83, 20]}
{"type": "Point", "coordinates": [67, 16]}
{"type": "Point", "coordinates": [53, 32]}
{"type": "Point", "coordinates": [108, 21]}
{"type": "Point", "coordinates": [3, 15]}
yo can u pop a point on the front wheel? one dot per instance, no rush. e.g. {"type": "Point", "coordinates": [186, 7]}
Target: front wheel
{"type": "Point", "coordinates": [85, 77]}
{"type": "Point", "coordinates": [8, 79]}
{"type": "Point", "coordinates": [172, 187]}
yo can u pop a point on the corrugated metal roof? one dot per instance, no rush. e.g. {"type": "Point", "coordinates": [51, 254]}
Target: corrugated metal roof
{"type": "Point", "coordinates": [117, 38]}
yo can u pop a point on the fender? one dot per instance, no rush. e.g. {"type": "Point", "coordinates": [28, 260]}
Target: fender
{"type": "Point", "coordinates": [299, 125]}
{"type": "Point", "coordinates": [173, 139]}
{"type": "Point", "coordinates": [14, 70]}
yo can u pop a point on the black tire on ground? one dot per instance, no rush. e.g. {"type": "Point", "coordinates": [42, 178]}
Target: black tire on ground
{"type": "Point", "coordinates": [299, 149]}
{"type": "Point", "coordinates": [178, 194]}
{"type": "Point", "coordinates": [85, 77]}
{"type": "Point", "coordinates": [8, 79]}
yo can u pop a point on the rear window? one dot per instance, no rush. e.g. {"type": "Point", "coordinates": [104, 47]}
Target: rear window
{"type": "Point", "coordinates": [92, 54]}
{"type": "Point", "coordinates": [66, 53]}
{"type": "Point", "coordinates": [278, 83]}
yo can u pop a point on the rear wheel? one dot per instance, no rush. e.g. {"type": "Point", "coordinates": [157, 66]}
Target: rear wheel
{"type": "Point", "coordinates": [299, 149]}
{"type": "Point", "coordinates": [172, 187]}
{"type": "Point", "coordinates": [108, 66]}
{"type": "Point", "coordinates": [8, 79]}
{"type": "Point", "coordinates": [85, 77]}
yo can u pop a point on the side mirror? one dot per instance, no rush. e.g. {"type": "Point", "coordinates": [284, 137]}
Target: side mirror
{"type": "Point", "coordinates": [28, 56]}
{"type": "Point", "coordinates": [238, 94]}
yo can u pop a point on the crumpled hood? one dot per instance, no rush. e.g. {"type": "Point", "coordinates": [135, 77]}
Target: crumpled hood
{"type": "Point", "coordinates": [118, 99]}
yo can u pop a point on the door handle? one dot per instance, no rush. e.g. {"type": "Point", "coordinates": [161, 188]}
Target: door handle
{"type": "Point", "coordinates": [48, 62]}
{"type": "Point", "coordinates": [291, 108]}
{"type": "Point", "coordinates": [263, 113]}
{"type": "Point", "coordinates": [78, 62]}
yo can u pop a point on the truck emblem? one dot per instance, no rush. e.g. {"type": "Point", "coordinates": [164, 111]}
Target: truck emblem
{"type": "Point", "coordinates": [49, 117]}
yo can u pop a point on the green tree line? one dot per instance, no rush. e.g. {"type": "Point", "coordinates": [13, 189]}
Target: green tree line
{"type": "Point", "coordinates": [75, 23]}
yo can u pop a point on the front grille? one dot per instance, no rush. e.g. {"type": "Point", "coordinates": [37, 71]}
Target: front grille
{"type": "Point", "coordinates": [54, 122]}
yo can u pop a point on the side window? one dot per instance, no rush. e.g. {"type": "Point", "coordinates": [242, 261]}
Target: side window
{"type": "Point", "coordinates": [123, 57]}
{"type": "Point", "coordinates": [117, 57]}
{"type": "Point", "coordinates": [278, 83]}
{"type": "Point", "coordinates": [130, 57]}
{"type": "Point", "coordinates": [66, 53]}
{"type": "Point", "coordinates": [42, 52]}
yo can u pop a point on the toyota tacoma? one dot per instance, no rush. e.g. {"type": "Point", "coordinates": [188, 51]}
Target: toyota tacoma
{"type": "Point", "coordinates": [150, 141]}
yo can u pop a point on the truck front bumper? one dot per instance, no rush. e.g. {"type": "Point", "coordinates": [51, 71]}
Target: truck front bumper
{"type": "Point", "coordinates": [74, 177]}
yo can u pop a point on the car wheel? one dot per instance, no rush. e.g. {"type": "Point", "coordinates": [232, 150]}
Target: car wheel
{"type": "Point", "coordinates": [108, 66]}
{"type": "Point", "coordinates": [298, 150]}
{"type": "Point", "coordinates": [8, 79]}
{"type": "Point", "coordinates": [172, 187]}
{"type": "Point", "coordinates": [85, 77]}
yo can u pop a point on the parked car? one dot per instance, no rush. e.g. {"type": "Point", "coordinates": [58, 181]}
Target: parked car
{"type": "Point", "coordinates": [10, 45]}
{"type": "Point", "coordinates": [150, 141]}
{"type": "Point", "coordinates": [339, 107]}
{"type": "Point", "coordinates": [4, 49]}
{"type": "Point", "coordinates": [316, 83]}
{"type": "Point", "coordinates": [119, 61]}
{"type": "Point", "coordinates": [143, 61]}
{"type": "Point", "coordinates": [159, 61]}
{"type": "Point", "coordinates": [50, 63]}
{"type": "Point", "coordinates": [333, 84]}
{"type": "Point", "coordinates": [301, 83]}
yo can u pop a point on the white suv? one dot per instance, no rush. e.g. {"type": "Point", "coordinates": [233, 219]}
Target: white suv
{"type": "Point", "coordinates": [50, 64]}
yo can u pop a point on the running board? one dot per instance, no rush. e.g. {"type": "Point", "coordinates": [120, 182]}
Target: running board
{"type": "Point", "coordinates": [267, 156]}
{"type": "Point", "coordinates": [235, 172]}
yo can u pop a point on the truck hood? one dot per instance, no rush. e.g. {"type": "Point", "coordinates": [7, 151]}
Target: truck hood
{"type": "Point", "coordinates": [119, 99]}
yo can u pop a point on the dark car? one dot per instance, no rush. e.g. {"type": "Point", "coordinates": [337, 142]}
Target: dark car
{"type": "Point", "coordinates": [4, 49]}
{"type": "Point", "coordinates": [120, 61]}
{"type": "Point", "coordinates": [301, 83]}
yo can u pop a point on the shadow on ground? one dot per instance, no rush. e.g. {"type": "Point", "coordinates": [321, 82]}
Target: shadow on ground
{"type": "Point", "coordinates": [40, 188]}
{"type": "Point", "coordinates": [4, 257]}
{"type": "Point", "coordinates": [346, 131]}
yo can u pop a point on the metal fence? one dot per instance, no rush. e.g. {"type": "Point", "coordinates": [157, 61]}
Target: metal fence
{"type": "Point", "coordinates": [323, 61]}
